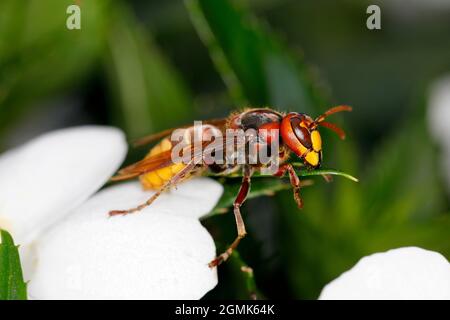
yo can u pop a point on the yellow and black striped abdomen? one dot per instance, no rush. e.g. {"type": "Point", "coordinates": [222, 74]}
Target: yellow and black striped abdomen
{"type": "Point", "coordinates": [155, 179]}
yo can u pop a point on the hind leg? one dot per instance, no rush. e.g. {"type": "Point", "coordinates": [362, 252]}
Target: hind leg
{"type": "Point", "coordinates": [240, 199]}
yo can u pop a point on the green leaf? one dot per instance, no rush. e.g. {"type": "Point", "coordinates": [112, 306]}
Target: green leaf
{"type": "Point", "coordinates": [150, 95]}
{"type": "Point", "coordinates": [255, 65]}
{"type": "Point", "coordinates": [260, 187]}
{"type": "Point", "coordinates": [12, 286]}
{"type": "Point", "coordinates": [322, 172]}
{"type": "Point", "coordinates": [39, 56]}
{"type": "Point", "coordinates": [266, 186]}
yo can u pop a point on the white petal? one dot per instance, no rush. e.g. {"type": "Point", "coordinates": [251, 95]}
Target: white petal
{"type": "Point", "coordinates": [161, 252]}
{"type": "Point", "coordinates": [439, 119]}
{"type": "Point", "coordinates": [195, 198]}
{"type": "Point", "coordinates": [439, 110]}
{"type": "Point", "coordinates": [404, 273]}
{"type": "Point", "coordinates": [43, 180]}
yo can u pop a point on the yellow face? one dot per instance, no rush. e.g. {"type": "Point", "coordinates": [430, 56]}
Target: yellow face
{"type": "Point", "coordinates": [313, 156]}
{"type": "Point", "coordinates": [300, 134]}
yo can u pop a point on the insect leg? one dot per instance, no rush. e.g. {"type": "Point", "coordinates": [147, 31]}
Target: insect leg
{"type": "Point", "coordinates": [327, 177]}
{"type": "Point", "coordinates": [240, 199]}
{"type": "Point", "coordinates": [173, 181]}
{"type": "Point", "coordinates": [295, 181]}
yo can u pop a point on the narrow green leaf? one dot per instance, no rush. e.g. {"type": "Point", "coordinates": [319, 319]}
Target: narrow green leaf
{"type": "Point", "coordinates": [151, 95]}
{"type": "Point", "coordinates": [302, 173]}
{"type": "Point", "coordinates": [12, 286]}
{"type": "Point", "coordinates": [266, 186]}
{"type": "Point", "coordinates": [39, 56]}
{"type": "Point", "coordinates": [261, 186]}
{"type": "Point", "coordinates": [321, 172]}
{"type": "Point", "coordinates": [256, 66]}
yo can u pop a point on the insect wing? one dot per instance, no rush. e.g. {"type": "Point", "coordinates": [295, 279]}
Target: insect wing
{"type": "Point", "coordinates": [159, 161]}
{"type": "Point", "coordinates": [220, 123]}
{"type": "Point", "coordinates": [164, 159]}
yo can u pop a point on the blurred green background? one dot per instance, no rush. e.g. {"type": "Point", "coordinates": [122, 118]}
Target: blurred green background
{"type": "Point", "coordinates": [145, 66]}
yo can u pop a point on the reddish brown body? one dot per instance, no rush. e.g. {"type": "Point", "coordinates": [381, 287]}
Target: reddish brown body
{"type": "Point", "coordinates": [298, 135]}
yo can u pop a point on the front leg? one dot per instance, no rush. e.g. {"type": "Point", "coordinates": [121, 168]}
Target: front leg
{"type": "Point", "coordinates": [295, 181]}
{"type": "Point", "coordinates": [172, 182]}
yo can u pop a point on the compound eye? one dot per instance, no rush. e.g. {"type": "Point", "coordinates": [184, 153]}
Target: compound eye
{"type": "Point", "coordinates": [301, 133]}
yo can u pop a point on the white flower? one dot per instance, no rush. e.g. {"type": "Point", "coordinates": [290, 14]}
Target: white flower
{"type": "Point", "coordinates": [161, 252]}
{"type": "Point", "coordinates": [43, 180]}
{"type": "Point", "coordinates": [404, 273]}
{"type": "Point", "coordinates": [72, 249]}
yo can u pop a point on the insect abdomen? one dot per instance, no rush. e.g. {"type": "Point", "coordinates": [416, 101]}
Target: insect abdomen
{"type": "Point", "coordinates": [155, 179]}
